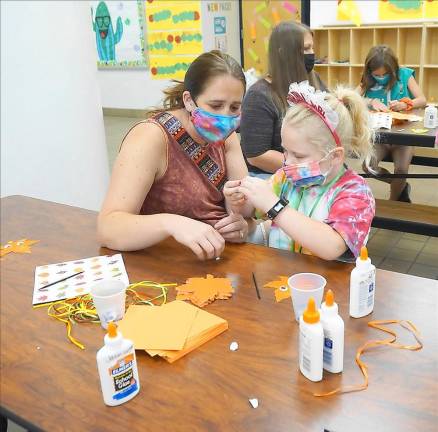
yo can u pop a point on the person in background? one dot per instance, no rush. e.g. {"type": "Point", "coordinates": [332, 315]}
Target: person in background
{"type": "Point", "coordinates": [291, 59]}
{"type": "Point", "coordinates": [168, 178]}
{"type": "Point", "coordinates": [389, 87]}
{"type": "Point", "coordinates": [316, 204]}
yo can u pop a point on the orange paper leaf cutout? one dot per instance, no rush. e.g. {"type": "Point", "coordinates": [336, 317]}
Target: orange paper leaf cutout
{"type": "Point", "coordinates": [202, 291]}
{"type": "Point", "coordinates": [281, 288]}
{"type": "Point", "coordinates": [17, 246]}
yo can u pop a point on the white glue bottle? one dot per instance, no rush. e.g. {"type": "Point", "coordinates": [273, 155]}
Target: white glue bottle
{"type": "Point", "coordinates": [362, 286]}
{"type": "Point", "coordinates": [333, 326]}
{"type": "Point", "coordinates": [117, 368]}
{"type": "Point", "coordinates": [311, 343]}
{"type": "Point", "coordinates": [430, 117]}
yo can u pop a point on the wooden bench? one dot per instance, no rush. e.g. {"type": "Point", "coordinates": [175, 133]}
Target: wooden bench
{"type": "Point", "coordinates": [406, 217]}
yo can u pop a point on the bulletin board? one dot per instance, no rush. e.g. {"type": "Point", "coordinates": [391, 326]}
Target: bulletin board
{"type": "Point", "coordinates": [174, 36]}
{"type": "Point", "coordinates": [258, 19]}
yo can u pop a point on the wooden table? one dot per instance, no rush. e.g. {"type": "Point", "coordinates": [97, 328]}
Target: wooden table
{"type": "Point", "coordinates": [48, 383]}
{"type": "Point", "coordinates": [402, 134]}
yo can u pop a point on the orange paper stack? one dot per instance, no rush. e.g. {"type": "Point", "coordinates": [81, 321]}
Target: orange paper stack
{"type": "Point", "coordinates": [170, 331]}
{"type": "Point", "coordinates": [202, 291]}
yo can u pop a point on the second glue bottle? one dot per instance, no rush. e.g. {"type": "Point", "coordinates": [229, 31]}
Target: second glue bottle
{"type": "Point", "coordinates": [333, 326]}
{"type": "Point", "coordinates": [311, 343]}
{"type": "Point", "coordinates": [362, 286]}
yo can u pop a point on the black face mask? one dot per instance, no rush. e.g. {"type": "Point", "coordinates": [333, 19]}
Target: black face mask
{"type": "Point", "coordinates": [309, 62]}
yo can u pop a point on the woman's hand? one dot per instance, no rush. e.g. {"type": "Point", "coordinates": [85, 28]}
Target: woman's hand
{"type": "Point", "coordinates": [377, 105]}
{"type": "Point", "coordinates": [398, 105]}
{"type": "Point", "coordinates": [201, 238]}
{"type": "Point", "coordinates": [232, 194]}
{"type": "Point", "coordinates": [258, 192]}
{"type": "Point", "coordinates": [233, 228]}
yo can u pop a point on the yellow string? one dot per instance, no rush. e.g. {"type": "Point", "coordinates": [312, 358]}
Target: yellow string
{"type": "Point", "coordinates": [81, 309]}
{"type": "Point", "coordinates": [408, 325]}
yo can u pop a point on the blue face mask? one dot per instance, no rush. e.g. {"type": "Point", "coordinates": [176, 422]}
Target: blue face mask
{"type": "Point", "coordinates": [382, 80]}
{"type": "Point", "coordinates": [214, 128]}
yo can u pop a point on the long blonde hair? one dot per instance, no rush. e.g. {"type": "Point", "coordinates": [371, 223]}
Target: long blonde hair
{"type": "Point", "coordinates": [357, 138]}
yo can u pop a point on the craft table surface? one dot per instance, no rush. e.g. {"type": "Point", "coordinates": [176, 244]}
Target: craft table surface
{"type": "Point", "coordinates": [47, 383]}
{"type": "Point", "coordinates": [401, 134]}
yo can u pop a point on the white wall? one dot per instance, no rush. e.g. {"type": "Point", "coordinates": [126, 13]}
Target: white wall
{"type": "Point", "coordinates": [134, 88]}
{"type": "Point", "coordinates": [53, 142]}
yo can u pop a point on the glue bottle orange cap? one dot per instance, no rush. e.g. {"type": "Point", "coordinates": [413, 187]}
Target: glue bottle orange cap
{"type": "Point", "coordinates": [329, 298]}
{"type": "Point", "coordinates": [112, 330]}
{"type": "Point", "coordinates": [311, 314]}
{"type": "Point", "coordinates": [363, 253]}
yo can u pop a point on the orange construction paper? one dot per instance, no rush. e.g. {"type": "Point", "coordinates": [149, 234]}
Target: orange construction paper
{"type": "Point", "coordinates": [158, 327]}
{"type": "Point", "coordinates": [205, 327]}
{"type": "Point", "coordinates": [280, 293]}
{"type": "Point", "coordinates": [202, 291]}
{"type": "Point", "coordinates": [17, 246]}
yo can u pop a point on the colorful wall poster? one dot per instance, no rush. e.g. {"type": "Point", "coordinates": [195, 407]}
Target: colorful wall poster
{"type": "Point", "coordinates": [348, 10]}
{"type": "Point", "coordinates": [400, 10]}
{"type": "Point", "coordinates": [174, 36]}
{"type": "Point", "coordinates": [431, 9]}
{"type": "Point", "coordinates": [119, 33]}
{"type": "Point", "coordinates": [258, 19]}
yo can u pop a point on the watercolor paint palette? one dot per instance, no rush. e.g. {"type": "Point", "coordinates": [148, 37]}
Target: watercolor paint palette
{"type": "Point", "coordinates": [94, 269]}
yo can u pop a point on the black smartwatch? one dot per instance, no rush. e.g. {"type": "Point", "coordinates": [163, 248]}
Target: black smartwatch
{"type": "Point", "coordinates": [278, 207]}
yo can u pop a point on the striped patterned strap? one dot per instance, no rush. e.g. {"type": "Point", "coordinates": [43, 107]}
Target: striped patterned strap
{"type": "Point", "coordinates": [193, 150]}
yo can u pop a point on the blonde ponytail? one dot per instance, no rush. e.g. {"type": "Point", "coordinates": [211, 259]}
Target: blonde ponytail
{"type": "Point", "coordinates": [361, 143]}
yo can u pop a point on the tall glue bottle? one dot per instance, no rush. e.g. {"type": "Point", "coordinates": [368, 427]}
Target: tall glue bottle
{"type": "Point", "coordinates": [117, 368]}
{"type": "Point", "coordinates": [333, 326]}
{"type": "Point", "coordinates": [311, 343]}
{"type": "Point", "coordinates": [362, 286]}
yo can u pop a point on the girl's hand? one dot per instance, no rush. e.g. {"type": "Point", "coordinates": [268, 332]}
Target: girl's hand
{"type": "Point", "coordinates": [233, 228]}
{"type": "Point", "coordinates": [258, 192]}
{"type": "Point", "coordinates": [398, 106]}
{"type": "Point", "coordinates": [376, 105]}
{"type": "Point", "coordinates": [201, 238]}
{"type": "Point", "coordinates": [232, 194]}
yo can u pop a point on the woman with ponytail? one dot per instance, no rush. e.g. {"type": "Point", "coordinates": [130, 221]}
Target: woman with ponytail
{"type": "Point", "coordinates": [315, 203]}
{"type": "Point", "coordinates": [169, 175]}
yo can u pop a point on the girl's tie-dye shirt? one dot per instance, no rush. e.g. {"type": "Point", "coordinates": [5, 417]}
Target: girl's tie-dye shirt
{"type": "Point", "coordinates": [347, 206]}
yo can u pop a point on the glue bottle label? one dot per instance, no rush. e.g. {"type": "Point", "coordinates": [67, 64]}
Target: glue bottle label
{"type": "Point", "coordinates": [122, 375]}
{"type": "Point", "coordinates": [328, 349]}
{"type": "Point", "coordinates": [366, 292]}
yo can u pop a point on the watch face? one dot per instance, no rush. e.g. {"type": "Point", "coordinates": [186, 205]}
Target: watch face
{"type": "Point", "coordinates": [278, 207]}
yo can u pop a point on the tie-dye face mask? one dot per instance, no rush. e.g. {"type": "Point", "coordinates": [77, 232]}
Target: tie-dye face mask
{"type": "Point", "coordinates": [214, 128]}
{"type": "Point", "coordinates": [306, 174]}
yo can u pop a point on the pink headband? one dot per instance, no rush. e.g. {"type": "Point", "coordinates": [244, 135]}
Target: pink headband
{"type": "Point", "coordinates": [296, 97]}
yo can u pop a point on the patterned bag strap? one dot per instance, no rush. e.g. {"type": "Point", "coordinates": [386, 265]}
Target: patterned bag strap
{"type": "Point", "coordinates": [193, 150]}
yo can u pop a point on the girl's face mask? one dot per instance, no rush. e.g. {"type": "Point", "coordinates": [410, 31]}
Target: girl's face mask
{"type": "Point", "coordinates": [382, 80]}
{"type": "Point", "coordinates": [306, 174]}
{"type": "Point", "coordinates": [214, 128]}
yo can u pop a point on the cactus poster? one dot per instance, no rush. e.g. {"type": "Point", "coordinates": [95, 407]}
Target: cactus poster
{"type": "Point", "coordinates": [119, 33]}
{"type": "Point", "coordinates": [174, 37]}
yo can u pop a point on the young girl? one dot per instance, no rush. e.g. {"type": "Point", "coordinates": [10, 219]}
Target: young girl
{"type": "Point", "coordinates": [390, 87]}
{"type": "Point", "coordinates": [291, 59]}
{"type": "Point", "coordinates": [316, 204]}
{"type": "Point", "coordinates": [168, 178]}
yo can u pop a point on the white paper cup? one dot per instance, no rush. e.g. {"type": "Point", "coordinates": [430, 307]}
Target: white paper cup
{"type": "Point", "coordinates": [109, 300]}
{"type": "Point", "coordinates": [302, 287]}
